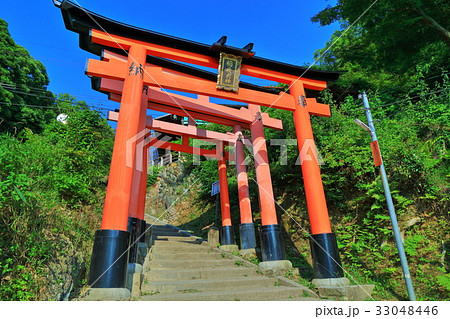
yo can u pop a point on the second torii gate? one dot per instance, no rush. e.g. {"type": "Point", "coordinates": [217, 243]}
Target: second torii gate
{"type": "Point", "coordinates": [202, 109]}
{"type": "Point", "coordinates": [190, 131]}
{"type": "Point", "coordinates": [243, 117]}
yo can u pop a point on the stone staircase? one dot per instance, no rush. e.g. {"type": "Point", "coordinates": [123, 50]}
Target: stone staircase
{"type": "Point", "coordinates": [180, 266]}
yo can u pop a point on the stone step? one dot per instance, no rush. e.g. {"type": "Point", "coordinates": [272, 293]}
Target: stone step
{"type": "Point", "coordinates": [187, 274]}
{"type": "Point", "coordinates": [175, 238]}
{"type": "Point", "coordinates": [296, 299]}
{"type": "Point", "coordinates": [171, 231]}
{"type": "Point", "coordinates": [202, 285]}
{"type": "Point", "coordinates": [250, 294]}
{"type": "Point", "coordinates": [164, 255]}
{"type": "Point", "coordinates": [183, 243]}
{"type": "Point", "coordinates": [170, 234]}
{"type": "Point", "coordinates": [158, 248]}
{"type": "Point", "coordinates": [189, 263]}
{"type": "Point", "coordinates": [167, 230]}
{"type": "Point", "coordinates": [164, 228]}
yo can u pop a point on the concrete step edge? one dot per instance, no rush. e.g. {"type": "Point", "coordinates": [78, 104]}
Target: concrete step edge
{"type": "Point", "coordinates": [213, 285]}
{"type": "Point", "coordinates": [158, 257]}
{"type": "Point", "coordinates": [175, 243]}
{"type": "Point", "coordinates": [215, 269]}
{"type": "Point", "coordinates": [218, 280]}
{"type": "Point", "coordinates": [177, 238]}
{"type": "Point", "coordinates": [202, 263]}
{"type": "Point", "coordinates": [234, 294]}
{"type": "Point", "coordinates": [199, 273]}
{"type": "Point", "coordinates": [181, 249]}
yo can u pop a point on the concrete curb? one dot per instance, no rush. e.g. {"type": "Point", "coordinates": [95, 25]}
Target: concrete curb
{"type": "Point", "coordinates": [107, 294]}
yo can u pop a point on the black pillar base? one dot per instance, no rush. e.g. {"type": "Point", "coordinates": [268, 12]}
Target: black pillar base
{"type": "Point", "coordinates": [109, 259]}
{"type": "Point", "coordinates": [325, 256]}
{"type": "Point", "coordinates": [142, 230]}
{"type": "Point", "coordinates": [272, 246]}
{"type": "Point", "coordinates": [134, 229]}
{"type": "Point", "coordinates": [248, 237]}
{"type": "Point", "coordinates": [227, 235]}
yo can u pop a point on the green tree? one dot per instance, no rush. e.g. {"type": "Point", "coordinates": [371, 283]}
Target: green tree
{"type": "Point", "coordinates": [24, 99]}
{"type": "Point", "coordinates": [51, 186]}
{"type": "Point", "coordinates": [388, 42]}
{"type": "Point", "coordinates": [84, 145]}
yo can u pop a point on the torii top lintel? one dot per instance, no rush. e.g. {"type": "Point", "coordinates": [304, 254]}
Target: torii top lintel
{"type": "Point", "coordinates": [85, 23]}
{"type": "Point", "coordinates": [114, 67]}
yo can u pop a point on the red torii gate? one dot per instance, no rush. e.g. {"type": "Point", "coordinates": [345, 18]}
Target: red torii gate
{"type": "Point", "coordinates": [201, 108]}
{"type": "Point", "coordinates": [136, 223]}
{"type": "Point", "coordinates": [191, 131]}
{"type": "Point", "coordinates": [243, 117]}
{"type": "Point", "coordinates": [142, 43]}
{"type": "Point", "coordinates": [161, 77]}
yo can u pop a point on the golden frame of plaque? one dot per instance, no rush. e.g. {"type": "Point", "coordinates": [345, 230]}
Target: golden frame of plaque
{"type": "Point", "coordinates": [229, 72]}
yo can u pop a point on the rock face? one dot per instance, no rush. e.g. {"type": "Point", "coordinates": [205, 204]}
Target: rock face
{"type": "Point", "coordinates": [64, 272]}
{"type": "Point", "coordinates": [170, 178]}
{"type": "Point", "coordinates": [165, 194]}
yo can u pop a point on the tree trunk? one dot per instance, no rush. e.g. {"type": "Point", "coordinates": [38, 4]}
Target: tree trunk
{"type": "Point", "coordinates": [443, 32]}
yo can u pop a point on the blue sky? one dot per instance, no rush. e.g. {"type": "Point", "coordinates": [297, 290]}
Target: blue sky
{"type": "Point", "coordinates": [280, 30]}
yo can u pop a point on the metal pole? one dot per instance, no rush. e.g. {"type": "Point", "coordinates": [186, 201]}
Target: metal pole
{"type": "Point", "coordinates": [387, 194]}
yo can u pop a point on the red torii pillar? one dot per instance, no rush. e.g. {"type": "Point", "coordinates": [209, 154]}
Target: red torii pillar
{"type": "Point", "coordinates": [226, 231]}
{"type": "Point", "coordinates": [109, 260]}
{"type": "Point", "coordinates": [324, 250]}
{"type": "Point", "coordinates": [142, 196]}
{"type": "Point", "coordinates": [247, 227]}
{"type": "Point", "coordinates": [272, 248]}
{"type": "Point", "coordinates": [136, 223]}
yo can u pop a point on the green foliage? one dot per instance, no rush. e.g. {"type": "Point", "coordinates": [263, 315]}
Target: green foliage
{"type": "Point", "coordinates": [41, 177]}
{"type": "Point", "coordinates": [386, 43]}
{"type": "Point", "coordinates": [152, 175]}
{"type": "Point", "coordinates": [444, 280]}
{"type": "Point", "coordinates": [412, 243]}
{"type": "Point", "coordinates": [71, 159]}
{"type": "Point", "coordinates": [413, 137]}
{"type": "Point", "coordinates": [24, 99]}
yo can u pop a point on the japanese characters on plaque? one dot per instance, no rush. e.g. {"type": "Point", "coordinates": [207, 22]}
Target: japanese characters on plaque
{"type": "Point", "coordinates": [229, 72]}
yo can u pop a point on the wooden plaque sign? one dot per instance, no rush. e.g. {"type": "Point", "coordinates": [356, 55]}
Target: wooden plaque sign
{"type": "Point", "coordinates": [229, 72]}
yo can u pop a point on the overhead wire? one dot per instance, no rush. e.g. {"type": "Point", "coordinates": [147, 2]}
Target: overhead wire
{"type": "Point", "coordinates": [412, 107]}
{"type": "Point", "coordinates": [15, 90]}
{"type": "Point", "coordinates": [410, 98]}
